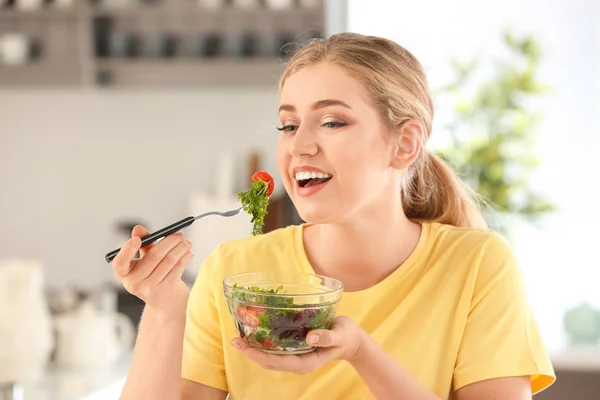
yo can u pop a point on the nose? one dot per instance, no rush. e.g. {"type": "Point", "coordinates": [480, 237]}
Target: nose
{"type": "Point", "coordinates": [304, 144]}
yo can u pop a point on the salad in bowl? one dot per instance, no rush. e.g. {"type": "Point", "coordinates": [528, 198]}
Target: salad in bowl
{"type": "Point", "coordinates": [274, 310]}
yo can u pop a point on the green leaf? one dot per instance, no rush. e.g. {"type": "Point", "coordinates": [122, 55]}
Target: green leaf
{"type": "Point", "coordinates": [263, 321]}
{"type": "Point", "coordinates": [255, 202]}
{"type": "Point", "coordinates": [261, 335]}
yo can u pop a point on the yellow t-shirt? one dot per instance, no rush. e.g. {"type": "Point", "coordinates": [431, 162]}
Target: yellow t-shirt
{"type": "Point", "coordinates": [454, 313]}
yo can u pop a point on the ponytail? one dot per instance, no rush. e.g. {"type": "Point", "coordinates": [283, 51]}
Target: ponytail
{"type": "Point", "coordinates": [433, 192]}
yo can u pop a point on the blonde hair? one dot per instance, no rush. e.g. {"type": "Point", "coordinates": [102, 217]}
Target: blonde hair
{"type": "Point", "coordinates": [398, 87]}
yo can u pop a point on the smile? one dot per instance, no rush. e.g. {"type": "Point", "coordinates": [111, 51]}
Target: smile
{"type": "Point", "coordinates": [307, 179]}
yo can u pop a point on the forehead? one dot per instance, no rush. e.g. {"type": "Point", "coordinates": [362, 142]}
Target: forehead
{"type": "Point", "coordinates": [323, 81]}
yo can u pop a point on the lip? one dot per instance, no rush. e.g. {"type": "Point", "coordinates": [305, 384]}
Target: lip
{"type": "Point", "coordinates": [310, 190]}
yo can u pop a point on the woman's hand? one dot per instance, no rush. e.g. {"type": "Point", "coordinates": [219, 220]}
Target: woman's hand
{"type": "Point", "coordinates": [343, 342]}
{"type": "Point", "coordinates": [155, 277]}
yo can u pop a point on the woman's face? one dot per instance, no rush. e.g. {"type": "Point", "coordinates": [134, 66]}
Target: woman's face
{"type": "Point", "coordinates": [332, 135]}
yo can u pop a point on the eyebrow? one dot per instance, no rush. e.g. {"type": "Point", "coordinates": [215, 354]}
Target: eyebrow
{"type": "Point", "coordinates": [317, 105]}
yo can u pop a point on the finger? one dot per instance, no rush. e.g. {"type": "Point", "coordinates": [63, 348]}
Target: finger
{"type": "Point", "coordinates": [172, 258]}
{"type": "Point", "coordinates": [323, 338]}
{"type": "Point", "coordinates": [300, 364]}
{"type": "Point", "coordinates": [155, 255]}
{"type": "Point", "coordinates": [268, 361]}
{"type": "Point", "coordinates": [122, 262]}
{"type": "Point", "coordinates": [335, 336]}
{"type": "Point", "coordinates": [140, 231]}
{"type": "Point", "coordinates": [177, 271]}
{"type": "Point", "coordinates": [240, 344]}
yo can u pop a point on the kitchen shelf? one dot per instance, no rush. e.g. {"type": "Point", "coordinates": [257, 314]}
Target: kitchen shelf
{"type": "Point", "coordinates": [40, 75]}
{"type": "Point", "coordinates": [194, 10]}
{"type": "Point", "coordinates": [44, 13]}
{"type": "Point", "coordinates": [80, 44]}
{"type": "Point", "coordinates": [198, 72]}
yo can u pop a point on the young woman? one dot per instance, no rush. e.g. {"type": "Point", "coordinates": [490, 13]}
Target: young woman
{"type": "Point", "coordinates": [434, 304]}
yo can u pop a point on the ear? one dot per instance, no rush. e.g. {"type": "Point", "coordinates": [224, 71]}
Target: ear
{"type": "Point", "coordinates": [407, 144]}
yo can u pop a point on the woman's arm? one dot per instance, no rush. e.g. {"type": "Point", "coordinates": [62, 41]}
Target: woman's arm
{"type": "Point", "coordinates": [389, 380]}
{"type": "Point", "coordinates": [509, 388]}
{"type": "Point", "coordinates": [346, 340]}
{"type": "Point", "coordinates": [155, 278]}
{"type": "Point", "coordinates": [384, 376]}
{"type": "Point", "coordinates": [155, 372]}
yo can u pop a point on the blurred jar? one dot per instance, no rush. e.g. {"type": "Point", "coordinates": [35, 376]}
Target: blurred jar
{"type": "Point", "coordinates": [26, 322]}
{"type": "Point", "coordinates": [210, 4]}
{"type": "Point", "coordinates": [14, 49]}
{"type": "Point", "coordinates": [29, 5]}
{"type": "Point", "coordinates": [280, 4]}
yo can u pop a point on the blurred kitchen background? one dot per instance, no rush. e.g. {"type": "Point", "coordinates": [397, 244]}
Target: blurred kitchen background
{"type": "Point", "coordinates": [119, 112]}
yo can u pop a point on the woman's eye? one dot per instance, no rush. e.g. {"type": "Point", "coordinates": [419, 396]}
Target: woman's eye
{"type": "Point", "coordinates": [333, 125]}
{"type": "Point", "coordinates": [287, 128]}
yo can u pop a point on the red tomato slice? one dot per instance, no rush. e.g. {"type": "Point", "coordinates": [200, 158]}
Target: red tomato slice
{"type": "Point", "coordinates": [268, 343]}
{"type": "Point", "coordinates": [265, 177]}
{"type": "Point", "coordinates": [249, 315]}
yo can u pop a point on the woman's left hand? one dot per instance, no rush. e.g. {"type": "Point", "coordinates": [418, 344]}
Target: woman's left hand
{"type": "Point", "coordinates": [343, 342]}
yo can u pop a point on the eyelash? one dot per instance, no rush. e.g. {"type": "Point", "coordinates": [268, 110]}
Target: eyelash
{"type": "Point", "coordinates": [330, 125]}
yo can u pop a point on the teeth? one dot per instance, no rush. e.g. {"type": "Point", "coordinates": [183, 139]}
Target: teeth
{"type": "Point", "coordinates": [302, 176]}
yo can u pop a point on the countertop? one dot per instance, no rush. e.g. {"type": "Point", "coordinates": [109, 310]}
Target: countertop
{"type": "Point", "coordinates": [104, 383]}
{"type": "Point", "coordinates": [585, 359]}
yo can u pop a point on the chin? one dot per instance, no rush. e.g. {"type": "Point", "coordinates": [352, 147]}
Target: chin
{"type": "Point", "coordinates": [317, 215]}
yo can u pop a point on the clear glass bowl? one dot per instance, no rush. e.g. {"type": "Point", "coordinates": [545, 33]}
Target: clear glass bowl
{"type": "Point", "coordinates": [273, 311]}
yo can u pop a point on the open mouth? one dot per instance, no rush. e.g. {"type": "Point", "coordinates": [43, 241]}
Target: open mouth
{"type": "Point", "coordinates": [307, 179]}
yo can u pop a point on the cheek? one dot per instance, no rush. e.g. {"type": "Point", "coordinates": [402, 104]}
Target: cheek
{"type": "Point", "coordinates": [283, 160]}
{"type": "Point", "coordinates": [365, 168]}
{"type": "Point", "coordinates": [360, 156]}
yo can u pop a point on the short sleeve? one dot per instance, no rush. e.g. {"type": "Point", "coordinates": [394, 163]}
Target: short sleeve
{"type": "Point", "coordinates": [203, 360]}
{"type": "Point", "coordinates": [501, 337]}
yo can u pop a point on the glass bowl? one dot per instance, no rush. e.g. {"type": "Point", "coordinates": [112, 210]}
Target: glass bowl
{"type": "Point", "coordinates": [274, 310]}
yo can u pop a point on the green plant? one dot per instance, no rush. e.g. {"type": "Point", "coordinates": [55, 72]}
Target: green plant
{"type": "Point", "coordinates": [493, 131]}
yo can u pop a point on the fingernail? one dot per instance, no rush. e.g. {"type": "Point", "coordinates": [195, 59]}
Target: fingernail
{"type": "Point", "coordinates": [235, 344]}
{"type": "Point", "coordinates": [192, 252]}
{"type": "Point", "coordinates": [188, 241]}
{"type": "Point", "coordinates": [313, 338]}
{"type": "Point", "coordinates": [136, 241]}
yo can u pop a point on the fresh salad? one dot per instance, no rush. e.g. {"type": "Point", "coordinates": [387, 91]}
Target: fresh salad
{"type": "Point", "coordinates": [273, 322]}
{"type": "Point", "coordinates": [256, 199]}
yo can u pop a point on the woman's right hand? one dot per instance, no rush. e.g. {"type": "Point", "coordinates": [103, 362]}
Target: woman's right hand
{"type": "Point", "coordinates": [155, 277]}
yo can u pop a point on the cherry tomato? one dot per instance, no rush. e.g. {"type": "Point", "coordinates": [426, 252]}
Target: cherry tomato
{"type": "Point", "coordinates": [249, 315]}
{"type": "Point", "coordinates": [268, 343]}
{"type": "Point", "coordinates": [265, 177]}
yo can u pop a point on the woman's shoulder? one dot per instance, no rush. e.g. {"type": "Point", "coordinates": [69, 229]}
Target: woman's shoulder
{"type": "Point", "coordinates": [482, 247]}
{"type": "Point", "coordinates": [450, 235]}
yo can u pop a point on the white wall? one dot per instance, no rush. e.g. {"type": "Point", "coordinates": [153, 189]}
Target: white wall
{"type": "Point", "coordinates": [559, 258]}
{"type": "Point", "coordinates": [73, 162]}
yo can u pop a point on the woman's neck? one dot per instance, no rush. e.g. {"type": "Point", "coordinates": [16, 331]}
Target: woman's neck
{"type": "Point", "coordinates": [364, 251]}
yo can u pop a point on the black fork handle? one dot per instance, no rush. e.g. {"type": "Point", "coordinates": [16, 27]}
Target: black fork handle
{"type": "Point", "coordinates": [161, 233]}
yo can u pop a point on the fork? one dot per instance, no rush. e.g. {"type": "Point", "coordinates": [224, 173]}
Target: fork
{"type": "Point", "coordinates": [177, 226]}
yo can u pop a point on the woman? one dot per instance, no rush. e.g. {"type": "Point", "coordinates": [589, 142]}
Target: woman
{"type": "Point", "coordinates": [434, 304]}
